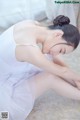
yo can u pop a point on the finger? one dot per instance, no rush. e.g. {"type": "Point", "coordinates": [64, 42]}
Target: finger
{"type": "Point", "coordinates": [78, 84]}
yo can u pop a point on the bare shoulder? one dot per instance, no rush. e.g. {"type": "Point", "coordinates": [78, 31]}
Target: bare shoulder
{"type": "Point", "coordinates": [24, 32]}
{"type": "Point", "coordinates": [27, 23]}
{"type": "Point", "coordinates": [34, 22]}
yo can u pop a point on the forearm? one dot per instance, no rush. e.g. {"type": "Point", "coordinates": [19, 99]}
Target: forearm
{"type": "Point", "coordinates": [63, 72]}
{"type": "Point", "coordinates": [54, 68]}
{"type": "Point", "coordinates": [60, 62]}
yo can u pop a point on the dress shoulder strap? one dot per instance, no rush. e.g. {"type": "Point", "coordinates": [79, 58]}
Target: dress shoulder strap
{"type": "Point", "coordinates": [29, 44]}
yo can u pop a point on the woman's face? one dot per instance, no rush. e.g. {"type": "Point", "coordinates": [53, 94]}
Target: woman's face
{"type": "Point", "coordinates": [60, 48]}
{"type": "Point", "coordinates": [55, 44]}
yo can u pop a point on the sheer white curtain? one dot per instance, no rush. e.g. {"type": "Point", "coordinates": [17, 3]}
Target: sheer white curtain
{"type": "Point", "coordinates": [37, 6]}
{"type": "Point", "coordinates": [14, 11]}
{"type": "Point", "coordinates": [53, 9]}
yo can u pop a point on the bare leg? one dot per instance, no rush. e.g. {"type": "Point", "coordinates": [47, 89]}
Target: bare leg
{"type": "Point", "coordinates": [45, 81]}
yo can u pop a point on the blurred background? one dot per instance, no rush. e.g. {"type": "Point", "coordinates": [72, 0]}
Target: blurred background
{"type": "Point", "coordinates": [45, 11]}
{"type": "Point", "coordinates": [50, 106]}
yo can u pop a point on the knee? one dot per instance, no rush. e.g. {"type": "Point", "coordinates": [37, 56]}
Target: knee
{"type": "Point", "coordinates": [50, 79]}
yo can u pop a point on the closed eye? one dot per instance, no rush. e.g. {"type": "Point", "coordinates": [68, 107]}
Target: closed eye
{"type": "Point", "coordinates": [64, 51]}
{"type": "Point", "coordinates": [60, 51]}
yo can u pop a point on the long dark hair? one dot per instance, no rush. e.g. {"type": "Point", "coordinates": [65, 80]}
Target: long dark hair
{"type": "Point", "coordinates": [71, 33]}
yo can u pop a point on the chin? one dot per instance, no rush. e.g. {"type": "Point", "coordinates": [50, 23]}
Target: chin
{"type": "Point", "coordinates": [44, 51]}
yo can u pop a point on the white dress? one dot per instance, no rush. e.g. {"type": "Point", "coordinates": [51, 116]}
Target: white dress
{"type": "Point", "coordinates": [15, 93]}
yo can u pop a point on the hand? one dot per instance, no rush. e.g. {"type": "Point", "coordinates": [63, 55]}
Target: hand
{"type": "Point", "coordinates": [76, 79]}
{"type": "Point", "coordinates": [78, 84]}
{"type": "Point", "coordinates": [71, 75]}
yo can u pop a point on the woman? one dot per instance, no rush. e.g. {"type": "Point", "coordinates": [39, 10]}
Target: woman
{"type": "Point", "coordinates": [27, 71]}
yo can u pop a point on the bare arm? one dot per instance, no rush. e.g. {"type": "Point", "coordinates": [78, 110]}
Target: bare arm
{"type": "Point", "coordinates": [34, 56]}
{"type": "Point", "coordinates": [58, 60]}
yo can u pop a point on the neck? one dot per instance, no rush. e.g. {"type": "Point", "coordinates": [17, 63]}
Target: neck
{"type": "Point", "coordinates": [42, 36]}
{"type": "Point", "coordinates": [42, 33]}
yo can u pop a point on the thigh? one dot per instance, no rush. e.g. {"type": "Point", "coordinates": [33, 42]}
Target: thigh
{"type": "Point", "coordinates": [43, 81]}
{"type": "Point", "coordinates": [40, 83]}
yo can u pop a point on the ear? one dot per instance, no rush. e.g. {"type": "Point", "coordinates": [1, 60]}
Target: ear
{"type": "Point", "coordinates": [58, 33]}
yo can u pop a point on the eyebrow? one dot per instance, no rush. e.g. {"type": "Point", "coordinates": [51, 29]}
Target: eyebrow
{"type": "Point", "coordinates": [61, 43]}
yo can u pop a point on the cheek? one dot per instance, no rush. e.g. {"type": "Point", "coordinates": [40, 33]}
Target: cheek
{"type": "Point", "coordinates": [54, 51]}
{"type": "Point", "coordinates": [69, 50]}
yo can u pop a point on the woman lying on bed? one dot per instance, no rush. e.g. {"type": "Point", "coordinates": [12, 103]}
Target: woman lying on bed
{"type": "Point", "coordinates": [30, 71]}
